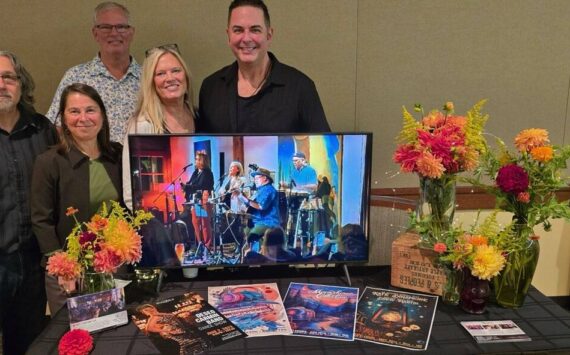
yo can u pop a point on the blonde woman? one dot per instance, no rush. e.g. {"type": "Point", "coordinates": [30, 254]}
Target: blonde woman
{"type": "Point", "coordinates": [231, 185]}
{"type": "Point", "coordinates": [165, 103]}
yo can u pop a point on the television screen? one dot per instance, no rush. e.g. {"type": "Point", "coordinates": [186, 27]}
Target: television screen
{"type": "Point", "coordinates": [231, 200]}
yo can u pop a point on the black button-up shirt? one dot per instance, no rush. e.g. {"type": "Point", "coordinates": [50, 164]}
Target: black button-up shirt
{"type": "Point", "coordinates": [287, 103]}
{"type": "Point", "coordinates": [32, 135]}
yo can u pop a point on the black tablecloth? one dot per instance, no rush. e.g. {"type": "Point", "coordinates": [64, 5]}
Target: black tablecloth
{"type": "Point", "coordinates": [543, 320]}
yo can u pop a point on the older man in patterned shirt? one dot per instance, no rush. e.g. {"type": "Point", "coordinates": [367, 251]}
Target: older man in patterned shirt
{"type": "Point", "coordinates": [113, 72]}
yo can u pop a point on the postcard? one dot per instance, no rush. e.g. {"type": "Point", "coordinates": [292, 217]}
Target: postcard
{"type": "Point", "coordinates": [98, 311]}
{"type": "Point", "coordinates": [256, 309]}
{"type": "Point", "coordinates": [395, 318]}
{"type": "Point", "coordinates": [496, 331]}
{"type": "Point", "coordinates": [321, 311]}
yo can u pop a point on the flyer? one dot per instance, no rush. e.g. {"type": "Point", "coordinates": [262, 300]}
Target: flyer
{"type": "Point", "coordinates": [322, 311]}
{"type": "Point", "coordinates": [256, 309]}
{"type": "Point", "coordinates": [395, 318]}
{"type": "Point", "coordinates": [184, 325]}
{"type": "Point", "coordinates": [496, 331]}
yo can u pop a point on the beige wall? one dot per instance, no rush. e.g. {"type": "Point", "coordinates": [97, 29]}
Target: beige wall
{"type": "Point", "coordinates": [367, 58]}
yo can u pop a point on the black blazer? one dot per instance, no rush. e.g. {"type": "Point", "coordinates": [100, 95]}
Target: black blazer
{"type": "Point", "coordinates": [61, 181]}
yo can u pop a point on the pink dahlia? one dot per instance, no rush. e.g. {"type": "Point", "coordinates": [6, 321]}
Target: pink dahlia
{"type": "Point", "coordinates": [523, 197]}
{"type": "Point", "coordinates": [106, 260]}
{"type": "Point", "coordinates": [406, 156]}
{"type": "Point", "coordinates": [512, 179]}
{"type": "Point", "coordinates": [440, 248]}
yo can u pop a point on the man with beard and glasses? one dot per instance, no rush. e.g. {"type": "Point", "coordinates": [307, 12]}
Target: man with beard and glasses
{"type": "Point", "coordinates": [24, 134]}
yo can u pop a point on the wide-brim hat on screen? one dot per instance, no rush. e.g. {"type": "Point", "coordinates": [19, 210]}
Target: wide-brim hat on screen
{"type": "Point", "coordinates": [264, 172]}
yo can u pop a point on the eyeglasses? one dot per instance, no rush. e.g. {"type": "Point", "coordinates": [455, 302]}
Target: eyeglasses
{"type": "Point", "coordinates": [10, 79]}
{"type": "Point", "coordinates": [106, 28]}
{"type": "Point", "coordinates": [167, 47]}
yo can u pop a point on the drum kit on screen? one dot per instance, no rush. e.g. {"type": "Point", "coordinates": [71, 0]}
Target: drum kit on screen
{"type": "Point", "coordinates": [303, 219]}
{"type": "Point", "coordinates": [306, 223]}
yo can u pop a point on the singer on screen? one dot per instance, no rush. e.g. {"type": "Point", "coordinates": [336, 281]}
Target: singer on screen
{"type": "Point", "coordinates": [198, 189]}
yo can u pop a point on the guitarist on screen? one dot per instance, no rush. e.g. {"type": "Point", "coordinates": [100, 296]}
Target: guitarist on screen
{"type": "Point", "coordinates": [264, 206]}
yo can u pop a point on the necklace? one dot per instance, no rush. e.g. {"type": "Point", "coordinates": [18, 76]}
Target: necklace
{"type": "Point", "coordinates": [265, 76]}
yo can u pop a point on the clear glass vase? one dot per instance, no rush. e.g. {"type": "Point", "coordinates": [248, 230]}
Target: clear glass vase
{"type": "Point", "coordinates": [512, 284]}
{"type": "Point", "coordinates": [92, 282]}
{"type": "Point", "coordinates": [451, 290]}
{"type": "Point", "coordinates": [475, 293]}
{"type": "Point", "coordinates": [436, 207]}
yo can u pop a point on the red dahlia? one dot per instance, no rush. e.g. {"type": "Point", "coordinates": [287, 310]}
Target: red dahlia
{"type": "Point", "coordinates": [512, 179]}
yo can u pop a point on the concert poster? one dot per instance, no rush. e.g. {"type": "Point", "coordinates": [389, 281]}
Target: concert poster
{"type": "Point", "coordinates": [321, 311]}
{"type": "Point", "coordinates": [395, 318]}
{"type": "Point", "coordinates": [256, 309]}
{"type": "Point", "coordinates": [184, 325]}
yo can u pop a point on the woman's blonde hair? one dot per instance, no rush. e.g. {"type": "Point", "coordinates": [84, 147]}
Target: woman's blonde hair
{"type": "Point", "coordinates": [149, 106]}
{"type": "Point", "coordinates": [238, 164]}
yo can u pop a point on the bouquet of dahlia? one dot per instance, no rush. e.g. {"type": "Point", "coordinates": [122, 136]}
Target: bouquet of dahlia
{"type": "Point", "coordinates": [101, 245]}
{"type": "Point", "coordinates": [525, 182]}
{"type": "Point", "coordinates": [441, 143]}
{"type": "Point", "coordinates": [437, 148]}
{"type": "Point", "coordinates": [481, 250]}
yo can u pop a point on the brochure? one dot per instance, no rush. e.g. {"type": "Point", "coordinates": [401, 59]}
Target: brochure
{"type": "Point", "coordinates": [98, 311]}
{"type": "Point", "coordinates": [322, 311]}
{"type": "Point", "coordinates": [395, 318]}
{"type": "Point", "coordinates": [496, 331]}
{"type": "Point", "coordinates": [256, 309]}
{"type": "Point", "coordinates": [184, 325]}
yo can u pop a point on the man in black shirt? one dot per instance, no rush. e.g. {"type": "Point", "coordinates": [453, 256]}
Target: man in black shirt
{"type": "Point", "coordinates": [23, 135]}
{"type": "Point", "coordinates": [257, 93]}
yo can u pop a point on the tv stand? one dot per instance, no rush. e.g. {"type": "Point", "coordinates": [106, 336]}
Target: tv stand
{"type": "Point", "coordinates": [347, 274]}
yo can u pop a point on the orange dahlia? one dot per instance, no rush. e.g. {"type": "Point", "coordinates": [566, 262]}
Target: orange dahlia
{"type": "Point", "coordinates": [478, 240]}
{"type": "Point", "coordinates": [531, 138]}
{"type": "Point", "coordinates": [124, 241]}
{"type": "Point", "coordinates": [542, 154]}
{"type": "Point", "coordinates": [430, 166]}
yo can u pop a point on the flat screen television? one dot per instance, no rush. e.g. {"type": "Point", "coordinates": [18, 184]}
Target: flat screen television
{"type": "Point", "coordinates": [237, 200]}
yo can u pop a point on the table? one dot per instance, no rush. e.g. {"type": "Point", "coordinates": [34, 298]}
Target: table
{"type": "Point", "coordinates": [542, 319]}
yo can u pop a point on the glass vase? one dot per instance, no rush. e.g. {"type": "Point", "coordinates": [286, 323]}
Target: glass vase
{"type": "Point", "coordinates": [475, 293]}
{"type": "Point", "coordinates": [92, 282]}
{"type": "Point", "coordinates": [452, 288]}
{"type": "Point", "coordinates": [512, 284]}
{"type": "Point", "coordinates": [436, 207]}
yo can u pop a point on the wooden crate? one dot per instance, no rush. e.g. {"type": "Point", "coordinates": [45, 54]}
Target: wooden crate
{"type": "Point", "coordinates": [413, 267]}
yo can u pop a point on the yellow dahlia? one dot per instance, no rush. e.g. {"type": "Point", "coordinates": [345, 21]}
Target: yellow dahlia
{"type": "Point", "coordinates": [487, 262]}
{"type": "Point", "coordinates": [542, 154]}
{"type": "Point", "coordinates": [531, 138]}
